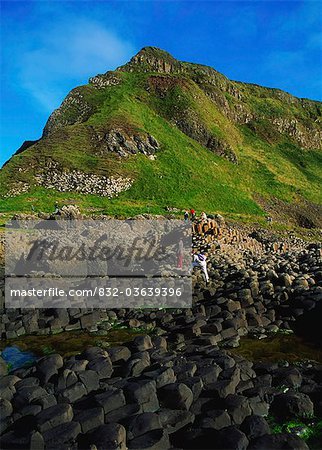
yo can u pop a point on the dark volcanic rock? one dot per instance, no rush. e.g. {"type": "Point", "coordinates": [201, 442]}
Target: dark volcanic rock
{"type": "Point", "coordinates": [102, 365]}
{"type": "Point", "coordinates": [279, 442]}
{"type": "Point", "coordinates": [176, 396]}
{"type": "Point", "coordinates": [54, 416]}
{"type": "Point", "coordinates": [111, 399]}
{"type": "Point", "coordinates": [231, 438]}
{"type": "Point", "coordinates": [152, 440]}
{"type": "Point", "coordinates": [254, 427]}
{"type": "Point", "coordinates": [61, 436]}
{"type": "Point", "coordinates": [89, 419]}
{"type": "Point", "coordinates": [291, 405]}
{"type": "Point", "coordinates": [144, 393]}
{"type": "Point", "coordinates": [174, 420]}
{"type": "Point", "coordinates": [111, 437]}
{"type": "Point", "coordinates": [49, 366]}
{"type": "Point", "coordinates": [175, 388]}
{"type": "Point", "coordinates": [141, 424]}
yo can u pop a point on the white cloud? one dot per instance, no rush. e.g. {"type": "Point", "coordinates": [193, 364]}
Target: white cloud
{"type": "Point", "coordinates": [66, 55]}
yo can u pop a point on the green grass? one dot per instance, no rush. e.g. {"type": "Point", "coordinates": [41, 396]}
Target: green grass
{"type": "Point", "coordinates": [310, 430]}
{"type": "Point", "coordinates": [185, 174]}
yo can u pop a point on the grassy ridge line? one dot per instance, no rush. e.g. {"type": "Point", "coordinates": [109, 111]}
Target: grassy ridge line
{"type": "Point", "coordinates": [185, 173]}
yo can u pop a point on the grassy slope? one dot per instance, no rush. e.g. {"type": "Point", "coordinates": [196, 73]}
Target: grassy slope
{"type": "Point", "coordinates": [185, 174]}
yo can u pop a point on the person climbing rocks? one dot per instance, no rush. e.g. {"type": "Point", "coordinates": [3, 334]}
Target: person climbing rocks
{"type": "Point", "coordinates": [203, 216]}
{"type": "Point", "coordinates": [186, 216]}
{"type": "Point", "coordinates": [192, 214]}
{"type": "Point", "coordinates": [200, 261]}
{"type": "Point", "coordinates": [180, 254]}
{"type": "Point", "coordinates": [56, 208]}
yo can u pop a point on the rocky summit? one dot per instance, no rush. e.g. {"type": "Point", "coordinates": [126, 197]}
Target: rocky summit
{"type": "Point", "coordinates": [158, 132]}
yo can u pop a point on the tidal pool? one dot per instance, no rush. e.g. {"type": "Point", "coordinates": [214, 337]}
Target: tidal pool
{"type": "Point", "coordinates": [15, 358]}
{"type": "Point", "coordinates": [279, 347]}
{"type": "Point", "coordinates": [18, 352]}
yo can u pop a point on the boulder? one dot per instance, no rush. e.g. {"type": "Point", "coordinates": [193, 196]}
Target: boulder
{"type": "Point", "coordinates": [254, 427]}
{"type": "Point", "coordinates": [111, 436]}
{"type": "Point", "coordinates": [238, 408]}
{"type": "Point", "coordinates": [120, 353]}
{"type": "Point", "coordinates": [281, 441]}
{"type": "Point", "coordinates": [173, 420]}
{"type": "Point", "coordinates": [6, 408]}
{"type": "Point", "coordinates": [142, 343]}
{"type": "Point", "coordinates": [90, 379]}
{"type": "Point", "coordinates": [72, 393]}
{"type": "Point", "coordinates": [111, 399]}
{"type": "Point", "coordinates": [231, 438]}
{"type": "Point", "coordinates": [290, 405]}
{"type": "Point", "coordinates": [152, 440]}
{"type": "Point", "coordinates": [141, 424]}
{"type": "Point", "coordinates": [49, 366]}
{"type": "Point", "coordinates": [102, 365]}
{"type": "Point", "coordinates": [52, 417]}
{"type": "Point", "coordinates": [217, 419]}
{"type": "Point", "coordinates": [143, 392]}
{"type": "Point", "coordinates": [89, 419]}
{"type": "Point", "coordinates": [176, 396]}
{"type": "Point", "coordinates": [61, 436]}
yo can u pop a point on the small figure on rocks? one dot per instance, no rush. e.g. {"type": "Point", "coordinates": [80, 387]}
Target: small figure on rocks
{"type": "Point", "coordinates": [186, 216]}
{"type": "Point", "coordinates": [203, 216]}
{"type": "Point", "coordinates": [192, 214]}
{"type": "Point", "coordinates": [56, 211]}
{"type": "Point", "coordinates": [200, 261]}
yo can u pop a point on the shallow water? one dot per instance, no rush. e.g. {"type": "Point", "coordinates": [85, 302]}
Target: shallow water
{"type": "Point", "coordinates": [16, 358]}
{"type": "Point", "coordinates": [18, 352]}
{"type": "Point", "coordinates": [21, 351]}
{"type": "Point", "coordinates": [279, 347]}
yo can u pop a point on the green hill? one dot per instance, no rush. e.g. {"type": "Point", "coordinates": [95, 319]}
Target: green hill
{"type": "Point", "coordinates": [158, 132]}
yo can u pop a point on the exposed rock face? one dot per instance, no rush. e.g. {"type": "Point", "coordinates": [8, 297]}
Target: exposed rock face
{"type": "Point", "coordinates": [69, 212]}
{"type": "Point", "coordinates": [122, 143]}
{"type": "Point", "coordinates": [307, 137]}
{"type": "Point", "coordinates": [105, 80]}
{"type": "Point", "coordinates": [152, 59]}
{"type": "Point", "coordinates": [189, 124]}
{"type": "Point", "coordinates": [74, 109]}
{"type": "Point", "coordinates": [184, 117]}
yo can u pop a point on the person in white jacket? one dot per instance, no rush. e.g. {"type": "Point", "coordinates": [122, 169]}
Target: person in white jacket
{"type": "Point", "coordinates": [203, 216]}
{"type": "Point", "coordinates": [200, 261]}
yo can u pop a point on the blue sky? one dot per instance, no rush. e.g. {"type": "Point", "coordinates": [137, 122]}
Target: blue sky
{"type": "Point", "coordinates": [50, 47]}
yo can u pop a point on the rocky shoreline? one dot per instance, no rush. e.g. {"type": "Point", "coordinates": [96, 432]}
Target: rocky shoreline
{"type": "Point", "coordinates": [178, 386]}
